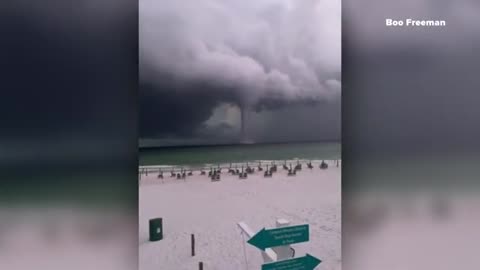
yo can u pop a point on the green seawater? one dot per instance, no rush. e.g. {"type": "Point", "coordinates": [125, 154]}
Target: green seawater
{"type": "Point", "coordinates": [198, 155]}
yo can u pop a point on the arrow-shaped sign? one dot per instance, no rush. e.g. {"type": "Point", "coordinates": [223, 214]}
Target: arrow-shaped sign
{"type": "Point", "coordinates": [280, 236]}
{"type": "Point", "coordinates": [307, 262]}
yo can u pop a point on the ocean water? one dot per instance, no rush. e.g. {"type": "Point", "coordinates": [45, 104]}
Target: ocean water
{"type": "Point", "coordinates": [413, 172]}
{"type": "Point", "coordinates": [198, 155]}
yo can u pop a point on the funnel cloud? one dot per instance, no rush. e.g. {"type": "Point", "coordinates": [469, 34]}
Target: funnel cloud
{"type": "Point", "coordinates": [259, 56]}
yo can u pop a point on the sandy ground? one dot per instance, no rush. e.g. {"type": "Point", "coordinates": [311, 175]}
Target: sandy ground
{"type": "Point", "coordinates": [211, 210]}
{"type": "Point", "coordinates": [418, 231]}
{"type": "Point", "coordinates": [62, 237]}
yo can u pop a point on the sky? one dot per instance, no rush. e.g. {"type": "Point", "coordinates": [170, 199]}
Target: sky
{"type": "Point", "coordinates": [202, 62]}
{"type": "Point", "coordinates": [70, 80]}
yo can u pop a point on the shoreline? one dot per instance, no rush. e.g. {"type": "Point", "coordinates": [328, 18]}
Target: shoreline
{"type": "Point", "coordinates": [227, 165]}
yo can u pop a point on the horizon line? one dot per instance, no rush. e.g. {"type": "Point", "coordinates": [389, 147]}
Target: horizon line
{"type": "Point", "coordinates": [239, 143]}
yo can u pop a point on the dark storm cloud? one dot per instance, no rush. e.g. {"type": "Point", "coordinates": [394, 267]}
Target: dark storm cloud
{"type": "Point", "coordinates": [163, 111]}
{"type": "Point", "coordinates": [298, 123]}
{"type": "Point", "coordinates": [259, 55]}
{"type": "Point", "coordinates": [411, 89]}
{"type": "Point", "coordinates": [69, 83]}
{"type": "Point", "coordinates": [64, 67]}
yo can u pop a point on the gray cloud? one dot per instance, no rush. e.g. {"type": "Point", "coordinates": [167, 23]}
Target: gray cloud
{"type": "Point", "coordinates": [58, 76]}
{"type": "Point", "coordinates": [256, 54]}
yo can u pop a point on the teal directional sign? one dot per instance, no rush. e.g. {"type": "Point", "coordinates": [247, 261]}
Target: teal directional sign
{"type": "Point", "coordinates": [307, 262]}
{"type": "Point", "coordinates": [280, 236]}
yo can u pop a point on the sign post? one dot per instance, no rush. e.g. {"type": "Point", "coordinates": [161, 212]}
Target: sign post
{"type": "Point", "coordinates": [283, 252]}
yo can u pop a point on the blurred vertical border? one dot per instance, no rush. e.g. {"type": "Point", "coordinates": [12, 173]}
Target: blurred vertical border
{"type": "Point", "coordinates": [410, 111]}
{"type": "Point", "coordinates": [68, 134]}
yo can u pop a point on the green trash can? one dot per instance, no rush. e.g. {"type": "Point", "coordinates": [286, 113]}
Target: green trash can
{"type": "Point", "coordinates": [156, 229]}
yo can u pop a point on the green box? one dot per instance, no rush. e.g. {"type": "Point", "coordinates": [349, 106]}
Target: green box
{"type": "Point", "coordinates": [156, 229]}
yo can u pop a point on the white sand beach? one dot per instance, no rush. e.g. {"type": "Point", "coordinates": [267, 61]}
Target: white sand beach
{"type": "Point", "coordinates": [417, 230]}
{"type": "Point", "coordinates": [211, 211]}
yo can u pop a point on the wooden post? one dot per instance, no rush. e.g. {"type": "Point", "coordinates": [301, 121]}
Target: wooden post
{"type": "Point", "coordinates": [193, 244]}
{"type": "Point", "coordinates": [200, 266]}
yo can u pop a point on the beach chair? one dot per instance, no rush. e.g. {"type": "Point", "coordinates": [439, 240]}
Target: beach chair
{"type": "Point", "coordinates": [260, 168]}
{"type": "Point", "coordinates": [323, 165]}
{"type": "Point", "coordinates": [243, 175]}
{"type": "Point", "coordinates": [298, 167]}
{"type": "Point", "coordinates": [309, 165]}
{"type": "Point", "coordinates": [215, 177]}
